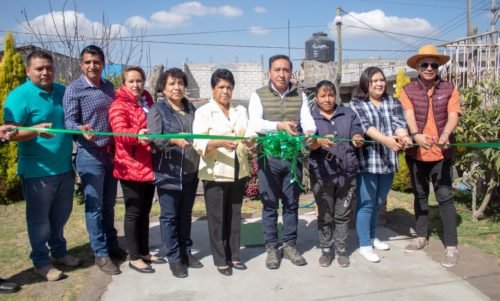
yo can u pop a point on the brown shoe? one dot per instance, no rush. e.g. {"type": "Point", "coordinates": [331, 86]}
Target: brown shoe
{"type": "Point", "coordinates": [49, 272]}
{"type": "Point", "coordinates": [418, 244]}
{"type": "Point", "coordinates": [68, 260]}
{"type": "Point", "coordinates": [107, 266]}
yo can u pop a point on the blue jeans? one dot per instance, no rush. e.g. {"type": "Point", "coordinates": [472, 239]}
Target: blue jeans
{"type": "Point", "coordinates": [175, 219]}
{"type": "Point", "coordinates": [49, 201]}
{"type": "Point", "coordinates": [275, 178]}
{"type": "Point", "coordinates": [99, 190]}
{"type": "Point", "coordinates": [371, 194]}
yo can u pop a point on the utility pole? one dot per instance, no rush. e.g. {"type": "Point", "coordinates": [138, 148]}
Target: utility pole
{"type": "Point", "coordinates": [494, 18]}
{"type": "Point", "coordinates": [338, 22]}
{"type": "Point", "coordinates": [468, 13]}
{"type": "Point", "coordinates": [494, 14]}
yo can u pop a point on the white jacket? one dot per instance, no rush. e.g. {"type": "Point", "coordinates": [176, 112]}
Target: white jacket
{"type": "Point", "coordinates": [218, 165]}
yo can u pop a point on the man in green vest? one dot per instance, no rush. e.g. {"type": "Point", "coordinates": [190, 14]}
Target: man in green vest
{"type": "Point", "coordinates": [274, 107]}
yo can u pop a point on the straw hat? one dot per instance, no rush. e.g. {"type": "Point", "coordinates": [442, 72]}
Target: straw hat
{"type": "Point", "coordinates": [427, 51]}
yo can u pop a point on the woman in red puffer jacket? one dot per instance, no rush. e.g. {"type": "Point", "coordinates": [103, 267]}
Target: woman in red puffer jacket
{"type": "Point", "coordinates": [133, 165]}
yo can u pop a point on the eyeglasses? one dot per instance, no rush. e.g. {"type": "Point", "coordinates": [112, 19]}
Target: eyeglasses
{"type": "Point", "coordinates": [426, 65]}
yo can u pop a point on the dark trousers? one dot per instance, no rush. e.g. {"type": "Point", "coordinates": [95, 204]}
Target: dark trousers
{"type": "Point", "coordinates": [175, 219]}
{"type": "Point", "coordinates": [275, 182]}
{"type": "Point", "coordinates": [223, 202]}
{"type": "Point", "coordinates": [138, 200]}
{"type": "Point", "coordinates": [440, 173]}
{"type": "Point", "coordinates": [334, 199]}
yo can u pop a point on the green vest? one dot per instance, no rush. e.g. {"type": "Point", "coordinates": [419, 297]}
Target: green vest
{"type": "Point", "coordinates": [277, 109]}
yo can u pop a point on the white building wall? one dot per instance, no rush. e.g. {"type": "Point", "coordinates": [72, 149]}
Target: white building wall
{"type": "Point", "coordinates": [248, 78]}
{"type": "Point", "coordinates": [352, 69]}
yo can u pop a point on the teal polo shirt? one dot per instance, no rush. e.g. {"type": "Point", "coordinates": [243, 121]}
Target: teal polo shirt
{"type": "Point", "coordinates": [29, 105]}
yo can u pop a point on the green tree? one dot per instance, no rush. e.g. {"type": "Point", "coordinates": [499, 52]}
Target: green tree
{"type": "Point", "coordinates": [402, 180]}
{"type": "Point", "coordinates": [12, 74]}
{"type": "Point", "coordinates": [480, 123]}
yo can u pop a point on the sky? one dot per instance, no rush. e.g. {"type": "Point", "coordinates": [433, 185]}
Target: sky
{"type": "Point", "coordinates": [175, 32]}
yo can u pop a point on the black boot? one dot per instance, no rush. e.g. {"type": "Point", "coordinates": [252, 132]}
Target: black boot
{"type": "Point", "coordinates": [178, 269]}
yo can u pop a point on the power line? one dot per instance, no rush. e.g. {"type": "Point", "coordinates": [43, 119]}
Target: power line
{"type": "Point", "coordinates": [395, 33]}
{"type": "Point", "coordinates": [448, 26]}
{"type": "Point", "coordinates": [176, 34]}
{"type": "Point", "coordinates": [415, 4]}
{"type": "Point", "coordinates": [244, 46]}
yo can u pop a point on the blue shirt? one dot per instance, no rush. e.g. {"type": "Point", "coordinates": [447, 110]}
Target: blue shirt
{"type": "Point", "coordinates": [375, 157]}
{"type": "Point", "coordinates": [85, 103]}
{"type": "Point", "coordinates": [29, 105]}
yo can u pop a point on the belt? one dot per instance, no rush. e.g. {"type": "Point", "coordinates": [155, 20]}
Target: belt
{"type": "Point", "coordinates": [107, 149]}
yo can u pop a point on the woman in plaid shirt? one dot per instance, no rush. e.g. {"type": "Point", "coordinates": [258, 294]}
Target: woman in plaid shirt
{"type": "Point", "coordinates": [383, 123]}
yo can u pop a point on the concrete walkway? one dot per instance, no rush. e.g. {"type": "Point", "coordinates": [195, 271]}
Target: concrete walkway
{"type": "Point", "coordinates": [398, 276]}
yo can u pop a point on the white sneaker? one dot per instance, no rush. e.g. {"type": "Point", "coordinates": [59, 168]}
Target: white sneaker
{"type": "Point", "coordinates": [368, 254]}
{"type": "Point", "coordinates": [380, 245]}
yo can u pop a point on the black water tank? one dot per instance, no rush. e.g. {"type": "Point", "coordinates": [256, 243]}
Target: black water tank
{"type": "Point", "coordinates": [320, 48]}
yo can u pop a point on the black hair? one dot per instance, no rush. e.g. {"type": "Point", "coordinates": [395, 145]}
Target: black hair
{"type": "Point", "coordinates": [326, 84]}
{"type": "Point", "coordinates": [280, 57]}
{"type": "Point", "coordinates": [94, 50]}
{"type": "Point", "coordinates": [174, 73]}
{"type": "Point", "coordinates": [364, 83]}
{"type": "Point", "coordinates": [38, 54]}
{"type": "Point", "coordinates": [222, 74]}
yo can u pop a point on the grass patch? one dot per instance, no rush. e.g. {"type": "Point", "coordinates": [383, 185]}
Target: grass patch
{"type": "Point", "coordinates": [484, 235]}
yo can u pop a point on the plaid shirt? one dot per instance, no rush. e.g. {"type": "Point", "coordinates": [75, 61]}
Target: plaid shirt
{"type": "Point", "coordinates": [85, 103]}
{"type": "Point", "coordinates": [375, 157]}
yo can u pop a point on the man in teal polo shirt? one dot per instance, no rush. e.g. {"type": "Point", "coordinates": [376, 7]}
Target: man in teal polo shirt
{"type": "Point", "coordinates": [44, 164]}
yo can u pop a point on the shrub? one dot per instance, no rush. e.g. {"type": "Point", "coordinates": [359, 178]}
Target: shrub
{"type": "Point", "coordinates": [481, 124]}
{"type": "Point", "coordinates": [12, 74]}
{"type": "Point", "coordinates": [252, 188]}
{"type": "Point", "coordinates": [402, 181]}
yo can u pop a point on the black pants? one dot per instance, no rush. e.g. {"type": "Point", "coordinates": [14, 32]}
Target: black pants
{"type": "Point", "coordinates": [175, 219]}
{"type": "Point", "coordinates": [138, 200]}
{"type": "Point", "coordinates": [440, 173]}
{"type": "Point", "coordinates": [223, 202]}
{"type": "Point", "coordinates": [334, 199]}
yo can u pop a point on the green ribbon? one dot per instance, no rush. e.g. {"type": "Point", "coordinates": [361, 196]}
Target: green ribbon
{"type": "Point", "coordinates": [284, 146]}
{"type": "Point", "coordinates": [280, 145]}
{"type": "Point", "coordinates": [283, 141]}
{"type": "Point", "coordinates": [152, 136]}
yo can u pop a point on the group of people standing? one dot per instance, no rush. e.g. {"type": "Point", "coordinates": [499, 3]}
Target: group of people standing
{"type": "Point", "coordinates": [358, 163]}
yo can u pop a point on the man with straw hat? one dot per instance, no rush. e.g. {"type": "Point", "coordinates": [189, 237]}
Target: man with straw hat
{"type": "Point", "coordinates": [432, 110]}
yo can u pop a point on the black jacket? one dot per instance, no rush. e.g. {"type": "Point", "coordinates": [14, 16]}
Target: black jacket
{"type": "Point", "coordinates": [167, 157]}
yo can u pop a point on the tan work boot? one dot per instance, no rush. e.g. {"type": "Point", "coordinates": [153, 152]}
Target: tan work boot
{"type": "Point", "coordinates": [49, 272]}
{"type": "Point", "coordinates": [417, 244]}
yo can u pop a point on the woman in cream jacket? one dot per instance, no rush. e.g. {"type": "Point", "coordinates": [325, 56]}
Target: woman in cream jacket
{"type": "Point", "coordinates": [224, 169]}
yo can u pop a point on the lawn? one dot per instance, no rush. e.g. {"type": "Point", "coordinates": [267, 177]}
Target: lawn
{"type": "Point", "coordinates": [14, 249]}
